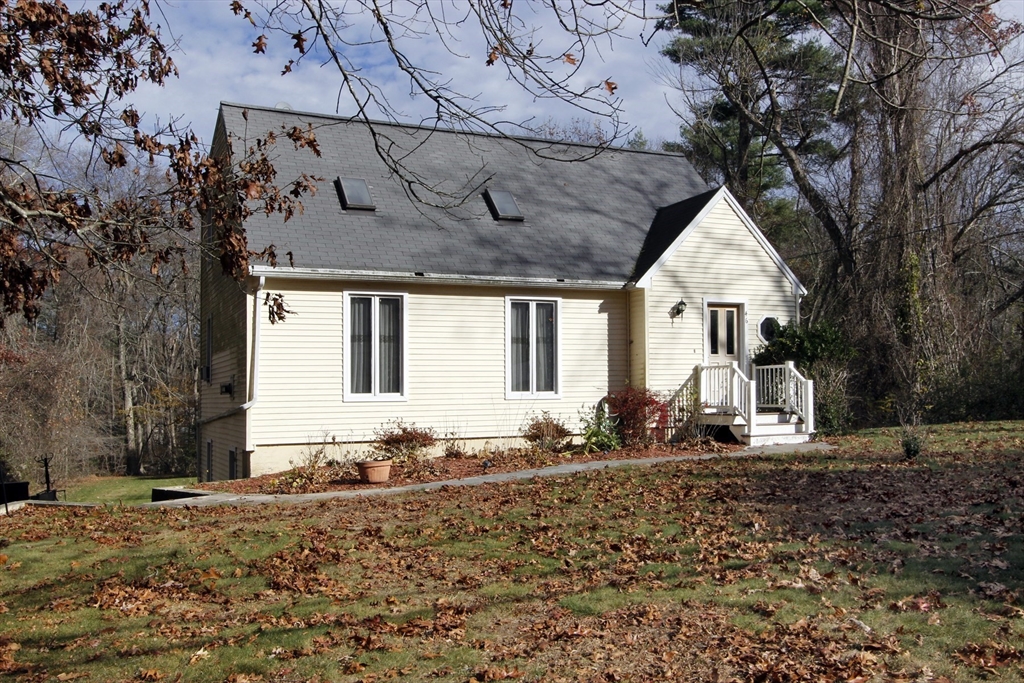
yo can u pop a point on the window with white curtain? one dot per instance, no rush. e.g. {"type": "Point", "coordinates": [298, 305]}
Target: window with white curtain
{"type": "Point", "coordinates": [375, 346]}
{"type": "Point", "coordinates": [533, 353]}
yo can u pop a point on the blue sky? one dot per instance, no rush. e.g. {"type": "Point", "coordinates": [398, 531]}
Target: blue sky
{"type": "Point", "coordinates": [217, 63]}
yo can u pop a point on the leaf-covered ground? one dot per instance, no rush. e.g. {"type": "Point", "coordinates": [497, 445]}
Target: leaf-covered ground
{"type": "Point", "coordinates": [344, 477]}
{"type": "Point", "coordinates": [842, 566]}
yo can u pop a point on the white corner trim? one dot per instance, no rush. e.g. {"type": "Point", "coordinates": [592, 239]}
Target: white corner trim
{"type": "Point", "coordinates": [254, 382]}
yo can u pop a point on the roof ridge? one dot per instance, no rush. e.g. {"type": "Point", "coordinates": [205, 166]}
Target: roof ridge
{"type": "Point", "coordinates": [441, 129]}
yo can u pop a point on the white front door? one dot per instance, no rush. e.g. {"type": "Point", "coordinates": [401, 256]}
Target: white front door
{"type": "Point", "coordinates": [723, 334]}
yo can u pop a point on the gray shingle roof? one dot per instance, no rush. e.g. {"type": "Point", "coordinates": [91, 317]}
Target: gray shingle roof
{"type": "Point", "coordinates": [668, 224]}
{"type": "Point", "coordinates": [583, 220]}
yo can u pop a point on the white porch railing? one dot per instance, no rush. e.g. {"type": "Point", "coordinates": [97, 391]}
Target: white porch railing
{"type": "Point", "coordinates": [724, 389]}
{"type": "Point", "coordinates": [720, 388]}
{"type": "Point", "coordinates": [783, 387]}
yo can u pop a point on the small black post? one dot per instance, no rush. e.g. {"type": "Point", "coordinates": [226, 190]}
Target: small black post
{"type": "Point", "coordinates": [46, 470]}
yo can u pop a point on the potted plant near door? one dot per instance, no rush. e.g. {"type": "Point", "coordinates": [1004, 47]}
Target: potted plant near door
{"type": "Point", "coordinates": [394, 443]}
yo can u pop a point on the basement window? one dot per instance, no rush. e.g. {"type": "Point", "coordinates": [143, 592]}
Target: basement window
{"type": "Point", "coordinates": [354, 194]}
{"type": "Point", "coordinates": [502, 205]}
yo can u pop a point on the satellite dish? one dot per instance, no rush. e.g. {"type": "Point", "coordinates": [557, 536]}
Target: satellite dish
{"type": "Point", "coordinates": [283, 105]}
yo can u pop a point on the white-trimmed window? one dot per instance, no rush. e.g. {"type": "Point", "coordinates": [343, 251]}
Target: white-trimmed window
{"type": "Point", "coordinates": [768, 329]}
{"type": "Point", "coordinates": [533, 347]}
{"type": "Point", "coordinates": [375, 346]}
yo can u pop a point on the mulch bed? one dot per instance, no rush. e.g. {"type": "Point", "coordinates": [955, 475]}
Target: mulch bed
{"type": "Point", "coordinates": [345, 478]}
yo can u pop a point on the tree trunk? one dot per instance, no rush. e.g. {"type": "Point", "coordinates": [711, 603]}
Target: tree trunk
{"type": "Point", "coordinates": [131, 443]}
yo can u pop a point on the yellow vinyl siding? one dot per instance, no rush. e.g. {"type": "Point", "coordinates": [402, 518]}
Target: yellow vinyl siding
{"type": "Point", "coordinates": [638, 337]}
{"type": "Point", "coordinates": [456, 363]}
{"type": "Point", "coordinates": [720, 261]}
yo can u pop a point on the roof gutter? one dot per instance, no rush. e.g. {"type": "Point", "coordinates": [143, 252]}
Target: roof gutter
{"type": "Point", "coordinates": [255, 383]}
{"type": "Point", "coordinates": [288, 273]}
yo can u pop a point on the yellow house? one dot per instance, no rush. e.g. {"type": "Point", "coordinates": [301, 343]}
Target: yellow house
{"type": "Point", "coordinates": [553, 284]}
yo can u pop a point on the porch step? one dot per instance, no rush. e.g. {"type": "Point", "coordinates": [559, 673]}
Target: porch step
{"type": "Point", "coordinates": [774, 439]}
{"type": "Point", "coordinates": [777, 418]}
{"type": "Point", "coordinates": [773, 428]}
{"type": "Point", "coordinates": [777, 428]}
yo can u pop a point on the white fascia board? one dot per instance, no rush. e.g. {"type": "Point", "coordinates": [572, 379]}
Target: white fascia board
{"type": "Point", "coordinates": [284, 272]}
{"type": "Point", "coordinates": [645, 281]}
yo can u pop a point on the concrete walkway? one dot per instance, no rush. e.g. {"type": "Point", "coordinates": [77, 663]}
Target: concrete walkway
{"type": "Point", "coordinates": [200, 498]}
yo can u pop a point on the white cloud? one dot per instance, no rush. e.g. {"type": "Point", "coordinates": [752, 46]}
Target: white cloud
{"type": "Point", "coordinates": [216, 62]}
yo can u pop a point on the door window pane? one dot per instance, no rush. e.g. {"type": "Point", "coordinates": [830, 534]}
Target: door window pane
{"type": "Point", "coordinates": [713, 333]}
{"type": "Point", "coordinates": [730, 332]}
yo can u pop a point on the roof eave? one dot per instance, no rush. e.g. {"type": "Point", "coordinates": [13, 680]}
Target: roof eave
{"type": "Point", "coordinates": [289, 273]}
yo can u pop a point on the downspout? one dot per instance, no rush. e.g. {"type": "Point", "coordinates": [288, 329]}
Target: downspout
{"type": "Point", "coordinates": [255, 394]}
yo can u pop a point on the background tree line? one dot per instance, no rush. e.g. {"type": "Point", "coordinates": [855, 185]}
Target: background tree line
{"type": "Point", "coordinates": [880, 144]}
{"type": "Point", "coordinates": [102, 378]}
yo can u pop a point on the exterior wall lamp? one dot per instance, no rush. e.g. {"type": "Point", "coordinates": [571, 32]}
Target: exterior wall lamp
{"type": "Point", "coordinates": [677, 310]}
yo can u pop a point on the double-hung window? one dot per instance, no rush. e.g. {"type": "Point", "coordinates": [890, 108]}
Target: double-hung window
{"type": "Point", "coordinates": [533, 348]}
{"type": "Point", "coordinates": [375, 347]}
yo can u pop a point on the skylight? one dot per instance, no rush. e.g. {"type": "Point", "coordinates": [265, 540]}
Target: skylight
{"type": "Point", "coordinates": [354, 193]}
{"type": "Point", "coordinates": [502, 205]}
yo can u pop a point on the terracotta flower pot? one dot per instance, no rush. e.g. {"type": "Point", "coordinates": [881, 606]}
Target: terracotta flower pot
{"type": "Point", "coordinates": [374, 471]}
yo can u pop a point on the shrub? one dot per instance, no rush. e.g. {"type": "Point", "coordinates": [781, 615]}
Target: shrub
{"type": "Point", "coordinates": [688, 427]}
{"type": "Point", "coordinates": [634, 410]}
{"type": "Point", "coordinates": [912, 441]}
{"type": "Point", "coordinates": [823, 354]}
{"type": "Point", "coordinates": [453, 445]}
{"type": "Point", "coordinates": [599, 430]}
{"type": "Point", "coordinates": [398, 441]}
{"type": "Point", "coordinates": [547, 433]}
{"type": "Point", "coordinates": [311, 472]}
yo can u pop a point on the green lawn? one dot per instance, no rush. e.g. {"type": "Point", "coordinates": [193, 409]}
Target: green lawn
{"type": "Point", "coordinates": [121, 490]}
{"type": "Point", "coordinates": [850, 565]}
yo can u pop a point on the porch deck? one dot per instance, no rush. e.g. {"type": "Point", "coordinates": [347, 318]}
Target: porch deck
{"type": "Point", "coordinates": [775, 405]}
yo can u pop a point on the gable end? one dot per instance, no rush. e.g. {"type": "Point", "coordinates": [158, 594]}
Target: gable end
{"type": "Point", "coordinates": [681, 220]}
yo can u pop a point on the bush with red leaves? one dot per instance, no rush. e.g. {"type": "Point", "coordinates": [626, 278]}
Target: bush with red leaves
{"type": "Point", "coordinates": [635, 408]}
